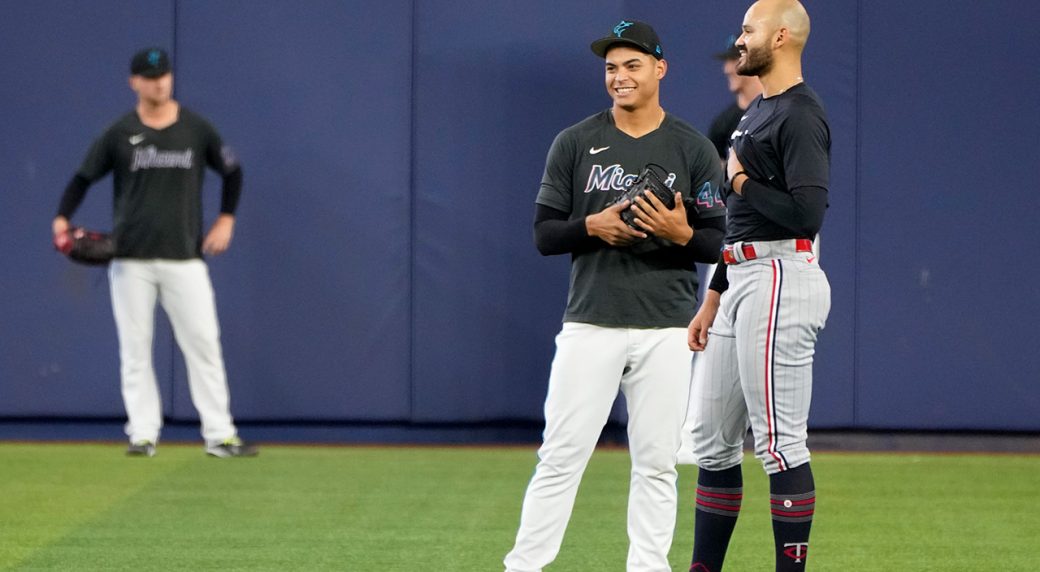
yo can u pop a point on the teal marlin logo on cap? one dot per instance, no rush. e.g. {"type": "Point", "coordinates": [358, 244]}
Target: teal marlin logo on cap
{"type": "Point", "coordinates": [153, 57]}
{"type": "Point", "coordinates": [621, 28]}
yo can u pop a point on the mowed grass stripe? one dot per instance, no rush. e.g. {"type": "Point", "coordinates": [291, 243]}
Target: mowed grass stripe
{"type": "Point", "coordinates": [47, 491]}
{"type": "Point", "coordinates": [928, 512]}
{"type": "Point", "coordinates": [385, 509]}
{"type": "Point", "coordinates": [300, 508]}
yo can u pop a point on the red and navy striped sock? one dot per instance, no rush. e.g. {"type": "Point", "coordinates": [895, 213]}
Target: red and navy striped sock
{"type": "Point", "coordinates": [792, 499]}
{"type": "Point", "coordinates": [718, 504]}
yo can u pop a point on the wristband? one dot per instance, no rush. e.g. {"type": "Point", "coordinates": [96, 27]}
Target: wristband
{"type": "Point", "coordinates": [735, 175]}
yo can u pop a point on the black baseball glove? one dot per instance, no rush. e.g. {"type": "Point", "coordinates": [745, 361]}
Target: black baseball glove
{"type": "Point", "coordinates": [650, 178]}
{"type": "Point", "coordinates": [85, 246]}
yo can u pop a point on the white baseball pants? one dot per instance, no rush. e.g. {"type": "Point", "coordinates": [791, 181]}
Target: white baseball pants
{"type": "Point", "coordinates": [652, 368]}
{"type": "Point", "coordinates": [183, 288]}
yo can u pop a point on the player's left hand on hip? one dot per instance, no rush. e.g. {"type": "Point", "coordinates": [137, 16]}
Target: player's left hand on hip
{"type": "Point", "coordinates": [654, 217]}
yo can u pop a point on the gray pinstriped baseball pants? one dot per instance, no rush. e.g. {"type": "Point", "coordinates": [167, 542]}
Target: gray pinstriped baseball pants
{"type": "Point", "coordinates": [758, 364]}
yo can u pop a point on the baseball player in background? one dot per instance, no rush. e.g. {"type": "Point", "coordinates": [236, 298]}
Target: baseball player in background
{"type": "Point", "coordinates": [158, 153]}
{"type": "Point", "coordinates": [744, 89]}
{"type": "Point", "coordinates": [632, 292]}
{"type": "Point", "coordinates": [767, 300]}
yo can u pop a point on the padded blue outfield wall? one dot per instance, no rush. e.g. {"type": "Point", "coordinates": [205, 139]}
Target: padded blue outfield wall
{"type": "Point", "coordinates": [383, 268]}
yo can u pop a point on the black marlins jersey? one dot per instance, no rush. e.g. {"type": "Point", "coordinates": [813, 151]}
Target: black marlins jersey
{"type": "Point", "coordinates": [652, 284]}
{"type": "Point", "coordinates": [722, 128]}
{"type": "Point", "coordinates": [784, 143]}
{"type": "Point", "coordinates": [157, 182]}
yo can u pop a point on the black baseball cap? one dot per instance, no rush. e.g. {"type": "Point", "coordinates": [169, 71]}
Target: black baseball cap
{"type": "Point", "coordinates": [150, 63]}
{"type": "Point", "coordinates": [630, 32]}
{"type": "Point", "coordinates": [730, 51]}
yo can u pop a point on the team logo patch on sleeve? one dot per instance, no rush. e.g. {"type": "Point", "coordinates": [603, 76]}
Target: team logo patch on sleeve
{"type": "Point", "coordinates": [709, 196]}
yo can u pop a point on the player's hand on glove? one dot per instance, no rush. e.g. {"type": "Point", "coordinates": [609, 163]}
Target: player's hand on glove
{"type": "Point", "coordinates": [670, 224]}
{"type": "Point", "coordinates": [218, 239]}
{"type": "Point", "coordinates": [697, 333]}
{"type": "Point", "coordinates": [608, 226]}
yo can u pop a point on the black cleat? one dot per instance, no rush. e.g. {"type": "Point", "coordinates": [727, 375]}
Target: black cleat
{"type": "Point", "coordinates": [232, 447]}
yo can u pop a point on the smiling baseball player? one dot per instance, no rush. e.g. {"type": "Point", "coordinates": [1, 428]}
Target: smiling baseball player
{"type": "Point", "coordinates": [767, 301]}
{"type": "Point", "coordinates": [633, 291]}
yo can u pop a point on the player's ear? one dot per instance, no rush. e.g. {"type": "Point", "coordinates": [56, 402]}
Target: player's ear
{"type": "Point", "coordinates": [780, 38]}
{"type": "Point", "coordinates": [661, 68]}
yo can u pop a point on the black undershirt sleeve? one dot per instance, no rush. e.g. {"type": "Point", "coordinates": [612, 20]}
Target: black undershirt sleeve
{"type": "Point", "coordinates": [555, 233]}
{"type": "Point", "coordinates": [719, 280]}
{"type": "Point", "coordinates": [231, 191]}
{"type": "Point", "coordinates": [73, 196]}
{"type": "Point", "coordinates": [707, 238]}
{"type": "Point", "coordinates": [801, 211]}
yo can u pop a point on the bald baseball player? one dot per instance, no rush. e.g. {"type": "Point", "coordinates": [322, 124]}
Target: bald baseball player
{"type": "Point", "coordinates": [632, 294]}
{"type": "Point", "coordinates": [158, 153]}
{"type": "Point", "coordinates": [767, 300]}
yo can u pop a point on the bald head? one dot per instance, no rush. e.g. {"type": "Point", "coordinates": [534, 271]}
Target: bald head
{"type": "Point", "coordinates": [775, 15]}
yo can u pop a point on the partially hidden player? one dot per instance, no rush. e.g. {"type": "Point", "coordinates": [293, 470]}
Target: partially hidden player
{"type": "Point", "coordinates": [158, 153]}
{"type": "Point", "coordinates": [745, 88]}
{"type": "Point", "coordinates": [767, 300]}
{"type": "Point", "coordinates": [632, 293]}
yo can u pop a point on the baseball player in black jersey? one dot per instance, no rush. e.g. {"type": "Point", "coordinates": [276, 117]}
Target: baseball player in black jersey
{"type": "Point", "coordinates": [768, 299]}
{"type": "Point", "coordinates": [158, 153]}
{"type": "Point", "coordinates": [632, 292]}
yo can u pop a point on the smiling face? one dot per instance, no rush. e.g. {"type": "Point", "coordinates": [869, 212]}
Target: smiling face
{"type": "Point", "coordinates": [755, 45]}
{"type": "Point", "coordinates": [633, 77]}
{"type": "Point", "coordinates": [772, 29]}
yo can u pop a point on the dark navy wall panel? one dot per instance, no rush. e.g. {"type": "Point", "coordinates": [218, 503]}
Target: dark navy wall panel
{"type": "Point", "coordinates": [65, 68]}
{"type": "Point", "coordinates": [383, 267]}
{"type": "Point", "coordinates": [313, 295]}
{"type": "Point", "coordinates": [488, 104]}
{"type": "Point", "coordinates": [948, 304]}
{"type": "Point", "coordinates": [829, 66]}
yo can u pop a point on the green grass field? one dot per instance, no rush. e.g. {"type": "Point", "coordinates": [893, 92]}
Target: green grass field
{"type": "Point", "coordinates": [87, 507]}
